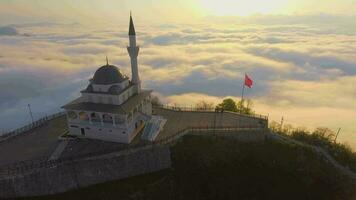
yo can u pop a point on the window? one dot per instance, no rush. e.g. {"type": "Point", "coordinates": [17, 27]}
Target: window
{"type": "Point", "coordinates": [107, 119]}
{"type": "Point", "coordinates": [72, 115]}
{"type": "Point", "coordinates": [140, 108]}
{"type": "Point", "coordinates": [83, 116]}
{"type": "Point", "coordinates": [129, 117]}
{"type": "Point", "coordinates": [95, 117]}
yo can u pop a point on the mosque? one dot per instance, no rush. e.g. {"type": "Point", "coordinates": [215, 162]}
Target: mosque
{"type": "Point", "coordinates": [113, 107]}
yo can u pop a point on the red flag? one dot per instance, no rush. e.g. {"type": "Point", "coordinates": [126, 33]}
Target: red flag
{"type": "Point", "coordinates": [248, 81]}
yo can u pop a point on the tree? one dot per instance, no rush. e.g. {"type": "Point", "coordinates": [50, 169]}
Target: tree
{"type": "Point", "coordinates": [228, 105]}
{"type": "Point", "coordinates": [325, 133]}
{"type": "Point", "coordinates": [274, 126]}
{"type": "Point", "coordinates": [204, 105]}
{"type": "Point", "coordinates": [155, 101]}
{"type": "Point", "coordinates": [245, 109]}
{"type": "Point", "coordinates": [287, 129]}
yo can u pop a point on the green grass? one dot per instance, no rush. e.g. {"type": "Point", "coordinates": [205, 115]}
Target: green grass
{"type": "Point", "coordinates": [217, 168]}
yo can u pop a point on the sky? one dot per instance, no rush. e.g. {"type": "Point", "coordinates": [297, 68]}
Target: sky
{"type": "Point", "coordinates": [300, 54]}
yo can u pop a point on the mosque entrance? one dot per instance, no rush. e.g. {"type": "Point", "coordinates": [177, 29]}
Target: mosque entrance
{"type": "Point", "coordinates": [82, 130]}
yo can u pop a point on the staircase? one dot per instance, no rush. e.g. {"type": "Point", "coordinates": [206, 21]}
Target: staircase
{"type": "Point", "coordinates": [153, 127]}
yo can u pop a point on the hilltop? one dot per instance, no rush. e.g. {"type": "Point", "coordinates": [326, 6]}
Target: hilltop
{"type": "Point", "coordinates": [209, 167]}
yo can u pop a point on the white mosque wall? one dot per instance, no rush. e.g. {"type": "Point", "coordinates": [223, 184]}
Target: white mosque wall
{"type": "Point", "coordinates": [122, 132]}
{"type": "Point", "coordinates": [113, 134]}
{"type": "Point", "coordinates": [109, 98]}
{"type": "Point", "coordinates": [105, 88]}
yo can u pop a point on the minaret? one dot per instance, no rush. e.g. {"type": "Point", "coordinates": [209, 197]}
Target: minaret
{"type": "Point", "coordinates": [133, 52]}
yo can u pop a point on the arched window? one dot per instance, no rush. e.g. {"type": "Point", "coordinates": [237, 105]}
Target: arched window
{"type": "Point", "coordinates": [140, 108]}
{"type": "Point", "coordinates": [129, 116]}
{"type": "Point", "coordinates": [83, 116]}
{"type": "Point", "coordinates": [72, 115]}
{"type": "Point", "coordinates": [107, 119]}
{"type": "Point", "coordinates": [95, 117]}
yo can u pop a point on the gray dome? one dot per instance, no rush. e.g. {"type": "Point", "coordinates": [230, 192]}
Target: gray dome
{"type": "Point", "coordinates": [108, 74]}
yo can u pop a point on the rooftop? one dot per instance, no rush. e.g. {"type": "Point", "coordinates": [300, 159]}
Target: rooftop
{"type": "Point", "coordinates": [124, 108]}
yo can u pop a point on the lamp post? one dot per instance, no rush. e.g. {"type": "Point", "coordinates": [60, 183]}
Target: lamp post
{"type": "Point", "coordinates": [29, 109]}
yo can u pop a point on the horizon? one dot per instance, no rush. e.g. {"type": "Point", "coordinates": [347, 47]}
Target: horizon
{"type": "Point", "coordinates": [300, 55]}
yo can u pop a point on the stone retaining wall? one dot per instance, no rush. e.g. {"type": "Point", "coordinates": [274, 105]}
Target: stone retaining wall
{"type": "Point", "coordinates": [59, 176]}
{"type": "Point", "coordinates": [81, 173]}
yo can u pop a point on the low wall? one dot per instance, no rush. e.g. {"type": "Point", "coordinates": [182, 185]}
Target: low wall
{"type": "Point", "coordinates": [57, 176]}
{"type": "Point", "coordinates": [257, 135]}
{"type": "Point", "coordinates": [61, 177]}
{"type": "Point", "coordinates": [31, 126]}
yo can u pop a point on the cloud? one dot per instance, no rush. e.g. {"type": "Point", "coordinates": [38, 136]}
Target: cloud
{"type": "Point", "coordinates": [308, 61]}
{"type": "Point", "coordinates": [295, 67]}
{"type": "Point", "coordinates": [8, 31]}
{"type": "Point", "coordinates": [338, 93]}
{"type": "Point", "coordinates": [297, 115]}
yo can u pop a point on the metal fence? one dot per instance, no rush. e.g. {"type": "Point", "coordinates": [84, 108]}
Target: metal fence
{"type": "Point", "coordinates": [30, 165]}
{"type": "Point", "coordinates": [196, 109]}
{"type": "Point", "coordinates": [35, 124]}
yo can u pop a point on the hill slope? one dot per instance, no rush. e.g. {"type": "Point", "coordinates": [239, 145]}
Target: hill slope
{"type": "Point", "coordinates": [217, 168]}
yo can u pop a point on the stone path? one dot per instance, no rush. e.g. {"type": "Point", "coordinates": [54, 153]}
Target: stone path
{"type": "Point", "coordinates": [318, 150]}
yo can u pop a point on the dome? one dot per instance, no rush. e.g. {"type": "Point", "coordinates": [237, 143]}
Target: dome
{"type": "Point", "coordinates": [108, 74]}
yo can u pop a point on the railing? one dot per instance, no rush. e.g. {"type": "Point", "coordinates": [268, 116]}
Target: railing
{"type": "Point", "coordinates": [30, 165]}
{"type": "Point", "coordinates": [195, 109]}
{"type": "Point", "coordinates": [30, 126]}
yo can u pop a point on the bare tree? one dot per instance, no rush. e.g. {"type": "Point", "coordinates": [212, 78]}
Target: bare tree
{"type": "Point", "coordinates": [274, 126]}
{"type": "Point", "coordinates": [324, 133]}
{"type": "Point", "coordinates": [204, 105]}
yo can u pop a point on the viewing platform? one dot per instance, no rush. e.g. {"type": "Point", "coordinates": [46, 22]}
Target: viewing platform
{"type": "Point", "coordinates": [39, 143]}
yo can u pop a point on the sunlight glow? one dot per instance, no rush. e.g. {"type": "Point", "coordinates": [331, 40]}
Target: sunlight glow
{"type": "Point", "coordinates": [242, 7]}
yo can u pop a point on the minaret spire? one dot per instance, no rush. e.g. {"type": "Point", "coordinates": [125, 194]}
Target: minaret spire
{"type": "Point", "coordinates": [107, 61]}
{"type": "Point", "coordinates": [132, 27]}
{"type": "Point", "coordinates": [133, 50]}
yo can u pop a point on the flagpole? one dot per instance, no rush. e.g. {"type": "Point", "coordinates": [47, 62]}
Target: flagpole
{"type": "Point", "coordinates": [243, 90]}
{"type": "Point", "coordinates": [242, 95]}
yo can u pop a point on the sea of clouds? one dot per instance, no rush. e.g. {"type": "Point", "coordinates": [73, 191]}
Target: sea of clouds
{"type": "Point", "coordinates": [304, 67]}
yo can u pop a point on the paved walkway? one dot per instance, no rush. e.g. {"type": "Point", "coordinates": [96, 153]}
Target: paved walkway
{"type": "Point", "coordinates": [37, 144]}
{"type": "Point", "coordinates": [60, 148]}
{"type": "Point", "coordinates": [180, 120]}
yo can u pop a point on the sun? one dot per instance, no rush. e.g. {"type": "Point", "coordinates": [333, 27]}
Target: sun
{"type": "Point", "coordinates": [242, 7]}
